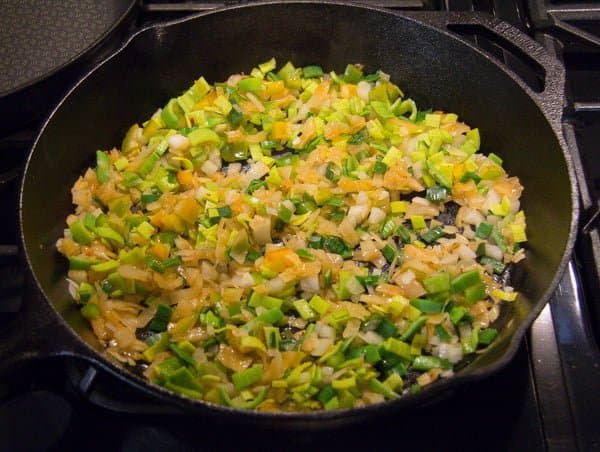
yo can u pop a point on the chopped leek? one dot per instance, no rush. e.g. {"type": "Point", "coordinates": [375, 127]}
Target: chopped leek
{"type": "Point", "coordinates": [263, 235]}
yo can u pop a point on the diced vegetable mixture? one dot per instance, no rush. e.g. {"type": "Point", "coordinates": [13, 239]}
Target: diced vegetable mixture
{"type": "Point", "coordinates": [294, 240]}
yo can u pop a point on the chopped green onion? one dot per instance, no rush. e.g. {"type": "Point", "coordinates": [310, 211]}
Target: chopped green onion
{"type": "Point", "coordinates": [265, 301]}
{"type": "Point", "coordinates": [235, 117]}
{"type": "Point", "coordinates": [426, 305]}
{"type": "Point", "coordinates": [305, 254]}
{"type": "Point", "coordinates": [269, 144]}
{"type": "Point", "coordinates": [245, 405]}
{"type": "Point", "coordinates": [465, 280]}
{"type": "Point", "coordinates": [315, 241]}
{"type": "Point", "coordinates": [499, 240]}
{"type": "Point", "coordinates": [184, 382]}
{"type": "Point", "coordinates": [85, 291]}
{"type": "Point", "coordinates": [437, 283]}
{"type": "Point", "coordinates": [250, 84]}
{"type": "Point", "coordinates": [379, 167]}
{"type": "Point", "coordinates": [484, 230]}
{"type": "Point", "coordinates": [357, 138]}
{"type": "Point", "coordinates": [403, 234]}
{"type": "Point", "coordinates": [387, 228]}
{"type": "Point", "coordinates": [370, 352]}
{"type": "Point", "coordinates": [80, 233]}
{"type": "Point", "coordinates": [332, 172]}
{"type": "Point", "coordinates": [397, 347]}
{"type": "Point", "coordinates": [344, 383]}
{"type": "Point", "coordinates": [271, 316]}
{"type": "Point", "coordinates": [247, 377]}
{"type": "Point", "coordinates": [80, 263]}
{"type": "Point", "coordinates": [224, 212]}
{"type": "Point", "coordinates": [182, 354]}
{"type": "Point", "coordinates": [254, 185]}
{"type": "Point", "coordinates": [387, 329]}
{"type": "Point", "coordinates": [90, 311]}
{"type": "Point", "coordinates": [253, 255]}
{"type": "Point", "coordinates": [167, 237]}
{"type": "Point", "coordinates": [413, 328]}
{"type": "Point", "coordinates": [418, 222]}
{"type": "Point", "coordinates": [304, 309]}
{"type": "Point", "coordinates": [352, 74]}
{"type": "Point", "coordinates": [457, 313]}
{"type": "Point", "coordinates": [148, 164]}
{"type": "Point", "coordinates": [494, 158]}
{"type": "Point", "coordinates": [430, 362]}
{"type": "Point", "coordinates": [475, 292]}
{"type": "Point", "coordinates": [442, 333]}
{"type": "Point", "coordinates": [284, 214]}
{"type": "Point", "coordinates": [334, 202]}
{"type": "Point", "coordinates": [102, 167]}
{"type": "Point", "coordinates": [470, 176]}
{"type": "Point", "coordinates": [159, 266]}
{"type": "Point", "coordinates": [437, 194]}
{"type": "Point", "coordinates": [432, 235]}
{"type": "Point", "coordinates": [369, 280]}
{"type": "Point", "coordinates": [497, 266]}
{"type": "Point", "coordinates": [160, 345]}
{"type": "Point", "coordinates": [105, 266]}
{"type": "Point", "coordinates": [161, 319]}
{"type": "Point", "coordinates": [327, 278]}
{"type": "Point", "coordinates": [272, 337]}
{"type": "Point", "coordinates": [382, 388]}
{"type": "Point", "coordinates": [487, 336]}
{"type": "Point", "coordinates": [131, 180]}
{"type": "Point", "coordinates": [326, 394]}
{"type": "Point", "coordinates": [319, 304]}
{"type": "Point", "coordinates": [106, 286]}
{"type": "Point", "coordinates": [337, 245]}
{"type": "Point", "coordinates": [312, 71]}
{"type": "Point", "coordinates": [147, 198]}
{"type": "Point", "coordinates": [389, 253]}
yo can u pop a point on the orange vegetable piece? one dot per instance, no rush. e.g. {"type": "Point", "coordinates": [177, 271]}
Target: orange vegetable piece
{"type": "Point", "coordinates": [187, 209]}
{"type": "Point", "coordinates": [281, 130]}
{"type": "Point", "coordinates": [275, 87]}
{"type": "Point", "coordinates": [280, 259]}
{"type": "Point", "coordinates": [160, 250]}
{"type": "Point", "coordinates": [349, 185]}
{"type": "Point", "coordinates": [171, 222]}
{"type": "Point", "coordinates": [185, 177]}
{"type": "Point", "coordinates": [348, 90]}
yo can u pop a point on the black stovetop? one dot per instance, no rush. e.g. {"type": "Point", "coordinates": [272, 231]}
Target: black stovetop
{"type": "Point", "coordinates": [545, 399]}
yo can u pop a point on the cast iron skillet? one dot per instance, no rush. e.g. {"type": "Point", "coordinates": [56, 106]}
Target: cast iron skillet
{"type": "Point", "coordinates": [434, 66]}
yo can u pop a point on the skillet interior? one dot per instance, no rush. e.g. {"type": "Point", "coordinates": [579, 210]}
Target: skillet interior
{"type": "Point", "coordinates": [434, 68]}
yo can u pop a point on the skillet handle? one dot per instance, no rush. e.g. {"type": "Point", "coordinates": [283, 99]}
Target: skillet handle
{"type": "Point", "coordinates": [550, 94]}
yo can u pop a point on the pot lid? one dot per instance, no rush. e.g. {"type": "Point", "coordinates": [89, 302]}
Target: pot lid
{"type": "Point", "coordinates": [38, 37]}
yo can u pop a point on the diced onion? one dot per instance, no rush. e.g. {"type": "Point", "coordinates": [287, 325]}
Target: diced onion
{"type": "Point", "coordinates": [376, 216]}
{"type": "Point", "coordinates": [371, 337]}
{"type": "Point", "coordinates": [493, 251]}
{"type": "Point", "coordinates": [451, 352]}
{"type": "Point", "coordinates": [324, 330]}
{"type": "Point", "coordinates": [178, 142]}
{"type": "Point", "coordinates": [362, 89]}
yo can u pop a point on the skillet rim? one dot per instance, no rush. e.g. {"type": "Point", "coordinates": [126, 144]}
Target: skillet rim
{"type": "Point", "coordinates": [554, 116]}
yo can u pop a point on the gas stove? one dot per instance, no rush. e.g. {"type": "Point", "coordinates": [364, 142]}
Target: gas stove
{"type": "Point", "coordinates": [543, 400]}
